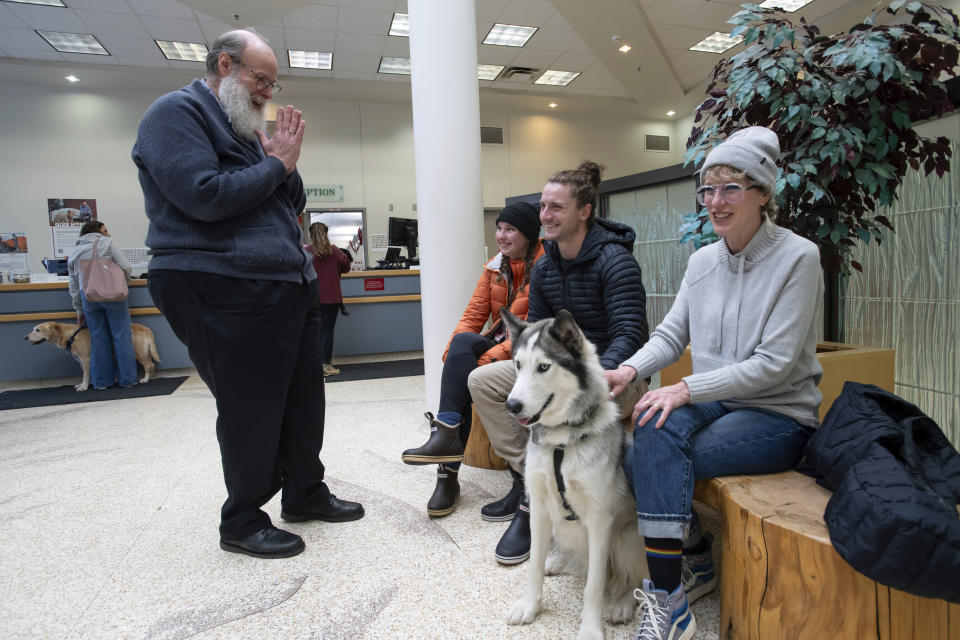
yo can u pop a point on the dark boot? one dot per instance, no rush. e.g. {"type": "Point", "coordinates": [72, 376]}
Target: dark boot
{"type": "Point", "coordinates": [504, 508]}
{"type": "Point", "coordinates": [514, 546]}
{"type": "Point", "coordinates": [443, 446]}
{"type": "Point", "coordinates": [445, 494]}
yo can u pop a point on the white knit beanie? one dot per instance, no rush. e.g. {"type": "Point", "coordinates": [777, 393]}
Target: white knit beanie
{"type": "Point", "coordinates": [753, 150]}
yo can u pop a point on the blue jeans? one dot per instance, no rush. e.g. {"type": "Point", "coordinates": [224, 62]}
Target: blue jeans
{"type": "Point", "coordinates": [700, 441]}
{"type": "Point", "coordinates": [111, 343]}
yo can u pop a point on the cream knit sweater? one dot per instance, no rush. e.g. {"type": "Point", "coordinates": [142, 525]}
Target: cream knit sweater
{"type": "Point", "coordinates": [751, 321]}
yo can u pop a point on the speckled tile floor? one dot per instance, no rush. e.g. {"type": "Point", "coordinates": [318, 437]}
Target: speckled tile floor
{"type": "Point", "coordinates": [109, 513]}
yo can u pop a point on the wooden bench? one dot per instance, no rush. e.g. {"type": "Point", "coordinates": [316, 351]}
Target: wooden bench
{"type": "Point", "coordinates": [780, 575]}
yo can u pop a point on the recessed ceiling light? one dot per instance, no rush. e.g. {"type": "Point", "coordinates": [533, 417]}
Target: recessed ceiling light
{"type": "Point", "coordinates": [74, 42]}
{"type": "Point", "coordinates": [717, 43]}
{"type": "Point", "coordinates": [72, 78]}
{"type": "Point", "coordinates": [310, 59]}
{"type": "Point", "coordinates": [189, 51]}
{"type": "Point", "coordinates": [509, 35]}
{"type": "Point", "coordinates": [671, 113]}
{"type": "Point", "coordinates": [552, 105]}
{"type": "Point", "coordinates": [787, 5]}
{"type": "Point", "coordinates": [488, 71]}
{"type": "Point", "coordinates": [396, 66]}
{"type": "Point", "coordinates": [46, 3]}
{"type": "Point", "coordinates": [400, 25]}
{"type": "Point", "coordinates": [625, 48]}
{"type": "Point", "coordinates": [557, 78]}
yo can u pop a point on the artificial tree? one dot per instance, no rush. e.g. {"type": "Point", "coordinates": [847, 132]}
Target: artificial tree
{"type": "Point", "coordinates": [843, 106]}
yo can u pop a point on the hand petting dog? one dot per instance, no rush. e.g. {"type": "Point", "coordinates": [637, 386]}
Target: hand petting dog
{"type": "Point", "coordinates": [664, 399]}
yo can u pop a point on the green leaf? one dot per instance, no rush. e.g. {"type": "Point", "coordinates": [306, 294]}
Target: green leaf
{"type": "Point", "coordinates": [818, 133]}
{"type": "Point", "coordinates": [793, 179]}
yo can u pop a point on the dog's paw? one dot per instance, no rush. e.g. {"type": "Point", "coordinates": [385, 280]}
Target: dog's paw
{"type": "Point", "coordinates": [523, 611]}
{"type": "Point", "coordinates": [623, 611]}
{"type": "Point", "coordinates": [555, 564]}
{"type": "Point", "coordinates": [592, 632]}
{"type": "Point", "coordinates": [81, 387]}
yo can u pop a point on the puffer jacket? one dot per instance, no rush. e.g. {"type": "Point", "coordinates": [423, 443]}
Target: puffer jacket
{"type": "Point", "coordinates": [896, 483]}
{"type": "Point", "coordinates": [489, 297]}
{"type": "Point", "coordinates": [601, 288]}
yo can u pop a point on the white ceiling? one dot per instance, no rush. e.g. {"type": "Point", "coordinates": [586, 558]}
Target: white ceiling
{"type": "Point", "coordinates": [659, 74]}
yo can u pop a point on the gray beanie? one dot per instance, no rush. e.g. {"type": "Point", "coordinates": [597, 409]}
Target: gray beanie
{"type": "Point", "coordinates": [753, 150]}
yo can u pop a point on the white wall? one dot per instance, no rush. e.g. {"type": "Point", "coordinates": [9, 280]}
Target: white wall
{"type": "Point", "coordinates": [74, 143]}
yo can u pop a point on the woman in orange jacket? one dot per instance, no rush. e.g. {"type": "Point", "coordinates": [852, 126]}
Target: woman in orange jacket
{"type": "Point", "coordinates": [504, 282]}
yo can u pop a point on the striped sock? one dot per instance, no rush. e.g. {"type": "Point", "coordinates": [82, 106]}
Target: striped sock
{"type": "Point", "coordinates": [663, 559]}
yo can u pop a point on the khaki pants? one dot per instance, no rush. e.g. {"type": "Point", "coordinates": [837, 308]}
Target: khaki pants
{"type": "Point", "coordinates": [489, 387]}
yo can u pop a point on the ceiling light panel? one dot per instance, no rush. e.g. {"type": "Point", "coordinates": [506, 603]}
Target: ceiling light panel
{"type": "Point", "coordinates": [556, 78]}
{"type": "Point", "coordinates": [189, 51]}
{"type": "Point", "coordinates": [787, 5]}
{"type": "Point", "coordinates": [509, 35]}
{"type": "Point", "coordinates": [74, 42]}
{"type": "Point", "coordinates": [717, 43]}
{"type": "Point", "coordinates": [310, 59]}
{"type": "Point", "coordinates": [400, 25]}
{"type": "Point", "coordinates": [396, 66]}
{"type": "Point", "coordinates": [46, 3]}
{"type": "Point", "coordinates": [488, 71]}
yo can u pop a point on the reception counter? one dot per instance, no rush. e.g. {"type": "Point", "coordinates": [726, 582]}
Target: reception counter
{"type": "Point", "coordinates": [384, 308]}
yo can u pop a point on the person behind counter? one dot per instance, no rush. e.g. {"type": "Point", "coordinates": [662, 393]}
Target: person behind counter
{"type": "Point", "coordinates": [504, 283]}
{"type": "Point", "coordinates": [111, 339]}
{"type": "Point", "coordinates": [329, 262]}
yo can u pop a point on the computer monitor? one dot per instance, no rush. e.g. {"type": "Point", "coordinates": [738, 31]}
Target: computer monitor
{"type": "Point", "coordinates": [393, 255]}
{"type": "Point", "coordinates": [402, 232]}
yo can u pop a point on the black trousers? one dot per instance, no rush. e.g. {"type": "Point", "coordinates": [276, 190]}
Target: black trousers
{"type": "Point", "coordinates": [328, 322]}
{"type": "Point", "coordinates": [256, 344]}
{"type": "Point", "coordinates": [465, 349]}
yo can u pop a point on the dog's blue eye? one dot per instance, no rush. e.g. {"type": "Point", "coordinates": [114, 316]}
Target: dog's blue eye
{"type": "Point", "coordinates": [543, 367]}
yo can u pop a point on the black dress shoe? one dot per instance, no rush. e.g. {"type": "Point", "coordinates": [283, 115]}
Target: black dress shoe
{"type": "Point", "coordinates": [266, 543]}
{"type": "Point", "coordinates": [334, 510]}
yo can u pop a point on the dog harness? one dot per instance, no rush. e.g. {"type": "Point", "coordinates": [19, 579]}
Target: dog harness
{"type": "Point", "coordinates": [73, 337]}
{"type": "Point", "coordinates": [558, 460]}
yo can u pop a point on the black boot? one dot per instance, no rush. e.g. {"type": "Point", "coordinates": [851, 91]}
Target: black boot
{"type": "Point", "coordinates": [445, 494]}
{"type": "Point", "coordinates": [504, 508]}
{"type": "Point", "coordinates": [443, 446]}
{"type": "Point", "coordinates": [514, 546]}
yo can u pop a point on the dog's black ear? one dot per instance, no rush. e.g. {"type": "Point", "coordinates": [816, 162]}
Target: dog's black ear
{"type": "Point", "coordinates": [565, 330]}
{"type": "Point", "coordinates": [514, 324]}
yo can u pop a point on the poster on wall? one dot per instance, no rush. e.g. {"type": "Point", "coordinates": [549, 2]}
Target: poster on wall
{"type": "Point", "coordinates": [66, 216]}
{"type": "Point", "coordinates": [13, 253]}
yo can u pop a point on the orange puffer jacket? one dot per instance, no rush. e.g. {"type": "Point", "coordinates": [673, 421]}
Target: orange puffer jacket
{"type": "Point", "coordinates": [487, 301]}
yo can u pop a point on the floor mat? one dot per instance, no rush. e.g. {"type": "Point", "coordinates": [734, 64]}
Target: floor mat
{"type": "Point", "coordinates": [51, 396]}
{"type": "Point", "coordinates": [374, 370]}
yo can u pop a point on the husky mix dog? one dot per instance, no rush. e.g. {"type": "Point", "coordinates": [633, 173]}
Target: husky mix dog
{"type": "Point", "coordinates": [575, 481]}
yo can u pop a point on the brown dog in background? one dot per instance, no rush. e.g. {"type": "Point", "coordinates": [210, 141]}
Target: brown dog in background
{"type": "Point", "coordinates": [58, 334]}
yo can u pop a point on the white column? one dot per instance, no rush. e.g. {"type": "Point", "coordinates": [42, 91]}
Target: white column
{"type": "Point", "coordinates": [446, 142]}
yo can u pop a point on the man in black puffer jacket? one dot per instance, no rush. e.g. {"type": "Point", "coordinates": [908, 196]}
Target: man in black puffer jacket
{"type": "Point", "coordinates": [590, 271]}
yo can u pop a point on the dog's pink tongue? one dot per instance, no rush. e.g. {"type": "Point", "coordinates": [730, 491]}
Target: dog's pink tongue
{"type": "Point", "coordinates": [523, 421]}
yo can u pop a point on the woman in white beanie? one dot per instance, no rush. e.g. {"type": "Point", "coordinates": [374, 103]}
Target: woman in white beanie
{"type": "Point", "coordinates": [747, 308]}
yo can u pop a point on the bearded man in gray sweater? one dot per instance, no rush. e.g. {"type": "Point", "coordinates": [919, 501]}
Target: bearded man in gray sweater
{"type": "Point", "coordinates": [748, 309]}
{"type": "Point", "coordinates": [230, 275]}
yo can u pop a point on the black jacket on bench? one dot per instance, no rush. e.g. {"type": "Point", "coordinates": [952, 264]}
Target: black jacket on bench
{"type": "Point", "coordinates": [896, 482]}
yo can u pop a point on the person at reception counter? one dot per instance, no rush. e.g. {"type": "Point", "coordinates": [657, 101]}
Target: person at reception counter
{"type": "Point", "coordinates": [230, 275]}
{"type": "Point", "coordinates": [329, 262]}
{"type": "Point", "coordinates": [503, 284]}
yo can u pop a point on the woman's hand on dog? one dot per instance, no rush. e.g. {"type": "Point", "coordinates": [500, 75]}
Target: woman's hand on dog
{"type": "Point", "coordinates": [664, 400]}
{"type": "Point", "coordinates": [619, 378]}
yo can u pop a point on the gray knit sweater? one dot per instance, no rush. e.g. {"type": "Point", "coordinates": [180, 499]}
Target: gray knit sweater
{"type": "Point", "coordinates": [215, 202]}
{"type": "Point", "coordinates": [751, 321]}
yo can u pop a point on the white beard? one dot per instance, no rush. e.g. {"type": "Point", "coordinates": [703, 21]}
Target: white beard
{"type": "Point", "coordinates": [244, 116]}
